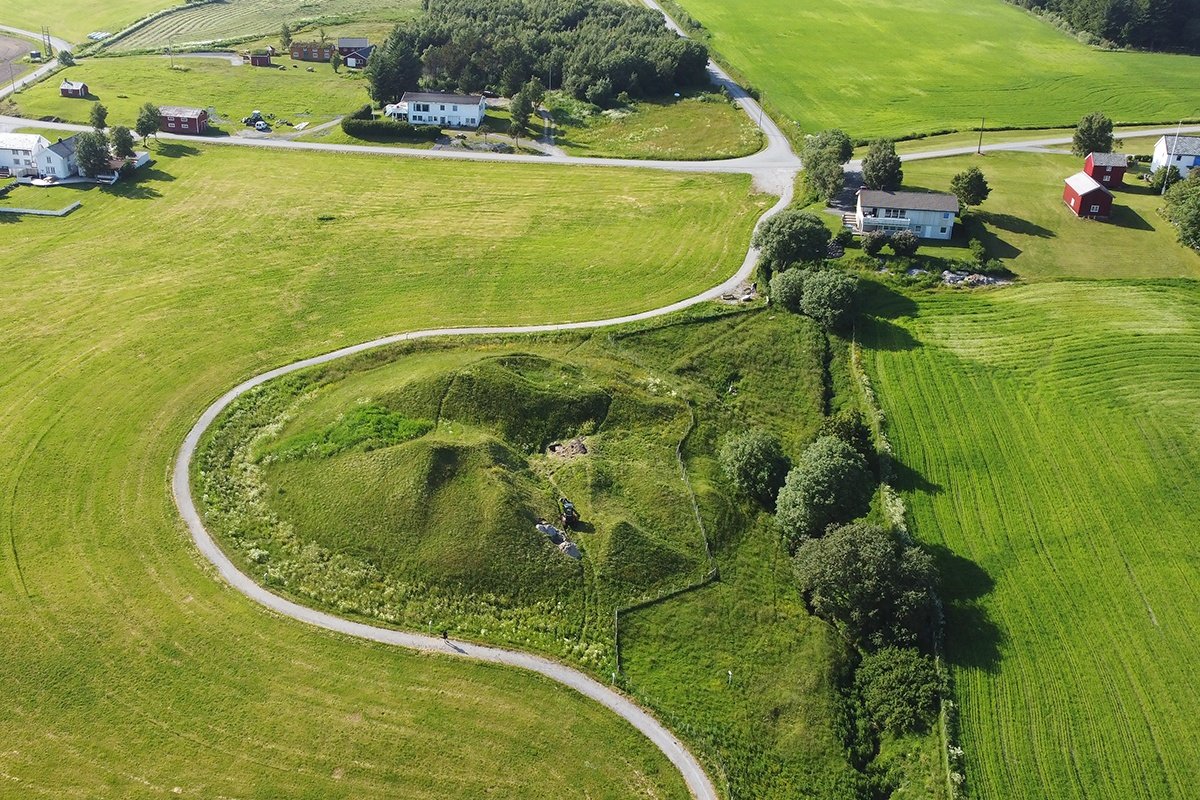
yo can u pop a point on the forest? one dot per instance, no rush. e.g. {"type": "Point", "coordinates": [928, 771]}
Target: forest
{"type": "Point", "coordinates": [599, 50]}
{"type": "Point", "coordinates": [1149, 24]}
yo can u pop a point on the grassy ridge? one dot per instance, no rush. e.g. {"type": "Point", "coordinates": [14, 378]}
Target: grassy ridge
{"type": "Point", "coordinates": [1048, 440]}
{"type": "Point", "coordinates": [875, 67]}
{"type": "Point", "coordinates": [128, 669]}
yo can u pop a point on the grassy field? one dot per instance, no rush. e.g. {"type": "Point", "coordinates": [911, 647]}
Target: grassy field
{"type": "Point", "coordinates": [237, 19]}
{"type": "Point", "coordinates": [405, 487]}
{"type": "Point", "coordinates": [1027, 226]}
{"type": "Point", "coordinates": [880, 68]}
{"type": "Point", "coordinates": [73, 20]}
{"type": "Point", "coordinates": [129, 669]}
{"type": "Point", "coordinates": [692, 128]}
{"type": "Point", "coordinates": [1050, 436]}
{"type": "Point", "coordinates": [124, 84]}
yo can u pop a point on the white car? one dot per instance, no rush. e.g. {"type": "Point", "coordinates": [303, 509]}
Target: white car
{"type": "Point", "coordinates": [262, 126]}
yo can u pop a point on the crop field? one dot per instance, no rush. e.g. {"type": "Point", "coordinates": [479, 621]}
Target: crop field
{"type": "Point", "coordinates": [234, 19]}
{"type": "Point", "coordinates": [73, 20]}
{"type": "Point", "coordinates": [1050, 436]}
{"type": "Point", "coordinates": [123, 85]}
{"type": "Point", "coordinates": [700, 127]}
{"type": "Point", "coordinates": [1026, 225]}
{"type": "Point", "coordinates": [129, 669]}
{"type": "Point", "coordinates": [876, 67]}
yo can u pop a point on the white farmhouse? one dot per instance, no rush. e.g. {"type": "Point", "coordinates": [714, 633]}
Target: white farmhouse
{"type": "Point", "coordinates": [58, 159]}
{"type": "Point", "coordinates": [1181, 152]}
{"type": "Point", "coordinates": [449, 110]}
{"type": "Point", "coordinates": [929, 215]}
{"type": "Point", "coordinates": [19, 152]}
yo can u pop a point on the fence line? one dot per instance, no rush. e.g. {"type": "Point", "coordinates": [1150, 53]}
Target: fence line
{"type": "Point", "coordinates": [41, 212]}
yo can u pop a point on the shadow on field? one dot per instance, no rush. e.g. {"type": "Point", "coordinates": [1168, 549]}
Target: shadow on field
{"type": "Point", "coordinates": [1126, 217]}
{"type": "Point", "coordinates": [907, 479]}
{"type": "Point", "coordinates": [1014, 224]}
{"type": "Point", "coordinates": [874, 333]}
{"type": "Point", "coordinates": [972, 639]}
{"type": "Point", "coordinates": [176, 150]}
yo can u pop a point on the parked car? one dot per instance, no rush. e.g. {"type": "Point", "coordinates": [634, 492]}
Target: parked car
{"type": "Point", "coordinates": [262, 126]}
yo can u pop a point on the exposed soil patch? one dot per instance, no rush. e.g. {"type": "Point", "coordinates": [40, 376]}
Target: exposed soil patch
{"type": "Point", "coordinates": [572, 449]}
{"type": "Point", "coordinates": [11, 52]}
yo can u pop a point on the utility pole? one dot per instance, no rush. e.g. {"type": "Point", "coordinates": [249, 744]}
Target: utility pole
{"type": "Point", "coordinates": [49, 48]}
{"type": "Point", "coordinates": [12, 77]}
{"type": "Point", "coordinates": [171, 49]}
{"type": "Point", "coordinates": [1170, 158]}
{"type": "Point", "coordinates": [979, 147]}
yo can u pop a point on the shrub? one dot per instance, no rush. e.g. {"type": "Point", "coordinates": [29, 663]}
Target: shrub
{"type": "Point", "coordinates": [1167, 175]}
{"type": "Point", "coordinates": [755, 464]}
{"type": "Point", "coordinates": [829, 484]}
{"type": "Point", "coordinates": [978, 251]}
{"type": "Point", "coordinates": [828, 297]}
{"type": "Point", "coordinates": [387, 129]}
{"type": "Point", "coordinates": [874, 586]}
{"type": "Point", "coordinates": [849, 426]}
{"type": "Point", "coordinates": [898, 688]}
{"type": "Point", "coordinates": [844, 237]}
{"type": "Point", "coordinates": [904, 243]}
{"type": "Point", "coordinates": [872, 242]}
{"type": "Point", "coordinates": [787, 289]}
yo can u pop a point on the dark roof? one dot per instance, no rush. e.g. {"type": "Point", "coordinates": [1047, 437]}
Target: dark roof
{"type": "Point", "coordinates": [180, 111]}
{"type": "Point", "coordinates": [65, 147]}
{"type": "Point", "coordinates": [1109, 159]}
{"type": "Point", "coordinates": [440, 97]}
{"type": "Point", "coordinates": [76, 85]}
{"type": "Point", "coordinates": [310, 45]}
{"type": "Point", "coordinates": [364, 51]}
{"type": "Point", "coordinates": [1183, 145]}
{"type": "Point", "coordinates": [354, 42]}
{"type": "Point", "coordinates": [914, 201]}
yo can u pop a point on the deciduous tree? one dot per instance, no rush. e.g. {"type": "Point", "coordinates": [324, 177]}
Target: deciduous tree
{"type": "Point", "coordinates": [830, 483]}
{"type": "Point", "coordinates": [1093, 134]}
{"type": "Point", "coordinates": [147, 121]}
{"type": "Point", "coordinates": [793, 237]}
{"type": "Point", "coordinates": [755, 464]}
{"type": "Point", "coordinates": [970, 187]}
{"type": "Point", "coordinates": [881, 166]}
{"type": "Point", "coordinates": [787, 289]}
{"type": "Point", "coordinates": [828, 298]}
{"type": "Point", "coordinates": [898, 689]}
{"type": "Point", "coordinates": [122, 142]}
{"type": "Point", "coordinates": [91, 151]}
{"type": "Point", "coordinates": [99, 117]}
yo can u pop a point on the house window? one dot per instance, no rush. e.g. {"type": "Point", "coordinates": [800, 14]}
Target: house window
{"type": "Point", "coordinates": [1095, 209]}
{"type": "Point", "coordinates": [170, 124]}
{"type": "Point", "coordinates": [1073, 202]}
{"type": "Point", "coordinates": [893, 213]}
{"type": "Point", "coordinates": [442, 108]}
{"type": "Point", "coordinates": [945, 215]}
{"type": "Point", "coordinates": [454, 108]}
{"type": "Point", "coordinates": [943, 230]}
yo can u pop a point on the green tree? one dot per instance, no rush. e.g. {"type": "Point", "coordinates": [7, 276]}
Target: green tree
{"type": "Point", "coordinates": [122, 142]}
{"type": "Point", "coordinates": [65, 58]}
{"type": "Point", "coordinates": [755, 464]}
{"type": "Point", "coordinates": [1093, 134]}
{"type": "Point", "coordinates": [823, 175]}
{"type": "Point", "coordinates": [828, 298]}
{"type": "Point", "coordinates": [99, 117]}
{"type": "Point", "coordinates": [898, 689]}
{"type": "Point", "coordinates": [872, 242]}
{"type": "Point", "coordinates": [535, 92]}
{"type": "Point", "coordinates": [850, 426]}
{"type": "Point", "coordinates": [904, 243]}
{"type": "Point", "coordinates": [394, 68]}
{"type": "Point", "coordinates": [321, 35]}
{"type": "Point", "coordinates": [873, 585]}
{"type": "Point", "coordinates": [881, 166]}
{"type": "Point", "coordinates": [147, 121]}
{"type": "Point", "coordinates": [521, 109]}
{"type": "Point", "coordinates": [792, 237]}
{"type": "Point", "coordinates": [834, 141]}
{"type": "Point", "coordinates": [285, 36]}
{"type": "Point", "coordinates": [335, 60]}
{"type": "Point", "coordinates": [1183, 209]}
{"type": "Point", "coordinates": [91, 151]}
{"type": "Point", "coordinates": [970, 187]}
{"type": "Point", "coordinates": [1164, 175]}
{"type": "Point", "coordinates": [830, 483]}
{"type": "Point", "coordinates": [787, 289]}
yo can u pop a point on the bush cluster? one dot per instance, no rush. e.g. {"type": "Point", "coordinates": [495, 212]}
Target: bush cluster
{"type": "Point", "coordinates": [369, 127]}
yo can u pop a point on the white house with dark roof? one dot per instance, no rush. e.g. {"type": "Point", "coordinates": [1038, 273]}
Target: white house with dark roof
{"type": "Point", "coordinates": [58, 159]}
{"type": "Point", "coordinates": [355, 51]}
{"type": "Point", "coordinates": [1181, 152]}
{"type": "Point", "coordinates": [448, 110]}
{"type": "Point", "coordinates": [19, 153]}
{"type": "Point", "coordinates": [929, 215]}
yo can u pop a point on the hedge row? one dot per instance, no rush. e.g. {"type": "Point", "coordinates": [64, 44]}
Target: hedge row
{"type": "Point", "coordinates": [362, 124]}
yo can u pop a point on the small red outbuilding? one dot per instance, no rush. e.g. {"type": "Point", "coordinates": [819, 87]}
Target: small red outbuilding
{"type": "Point", "coordinates": [1106, 168]}
{"type": "Point", "coordinates": [176, 119]}
{"type": "Point", "coordinates": [260, 59]}
{"type": "Point", "coordinates": [73, 88]}
{"type": "Point", "coordinates": [1086, 197]}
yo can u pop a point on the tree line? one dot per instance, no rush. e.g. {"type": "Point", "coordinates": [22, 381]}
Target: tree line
{"type": "Point", "coordinates": [1152, 24]}
{"type": "Point", "coordinates": [598, 50]}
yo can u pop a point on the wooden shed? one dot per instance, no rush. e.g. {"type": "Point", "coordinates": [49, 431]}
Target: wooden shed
{"type": "Point", "coordinates": [1086, 197]}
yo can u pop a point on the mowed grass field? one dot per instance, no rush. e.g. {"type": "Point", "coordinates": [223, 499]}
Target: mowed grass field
{"type": "Point", "coordinates": [73, 20]}
{"type": "Point", "coordinates": [123, 85]}
{"type": "Point", "coordinates": [1049, 438]}
{"type": "Point", "coordinates": [129, 668]}
{"type": "Point", "coordinates": [875, 67]}
{"type": "Point", "coordinates": [699, 127]}
{"type": "Point", "coordinates": [240, 18]}
{"type": "Point", "coordinates": [1026, 224]}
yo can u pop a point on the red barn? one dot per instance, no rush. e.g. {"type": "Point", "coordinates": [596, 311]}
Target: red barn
{"type": "Point", "coordinates": [176, 119]}
{"type": "Point", "coordinates": [73, 89]}
{"type": "Point", "coordinates": [260, 59]}
{"type": "Point", "coordinates": [312, 51]}
{"type": "Point", "coordinates": [1086, 197]}
{"type": "Point", "coordinates": [1106, 168]}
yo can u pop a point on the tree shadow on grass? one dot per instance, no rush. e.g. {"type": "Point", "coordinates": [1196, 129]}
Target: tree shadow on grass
{"type": "Point", "coordinates": [1014, 224]}
{"type": "Point", "coordinates": [992, 243]}
{"type": "Point", "coordinates": [907, 479]}
{"type": "Point", "coordinates": [176, 150]}
{"type": "Point", "coordinates": [973, 639]}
